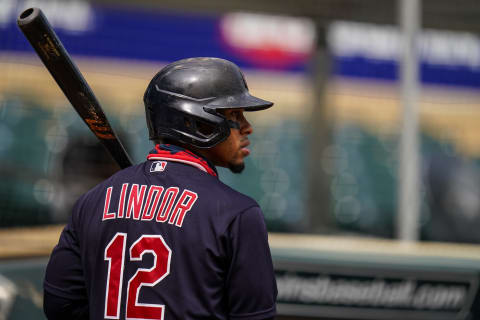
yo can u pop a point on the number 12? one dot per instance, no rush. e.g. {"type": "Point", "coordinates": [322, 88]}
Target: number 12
{"type": "Point", "coordinates": [115, 255]}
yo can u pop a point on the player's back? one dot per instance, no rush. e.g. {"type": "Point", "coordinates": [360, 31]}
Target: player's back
{"type": "Point", "coordinates": [157, 241]}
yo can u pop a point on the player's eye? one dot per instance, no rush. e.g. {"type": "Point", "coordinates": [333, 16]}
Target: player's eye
{"type": "Point", "coordinates": [236, 115]}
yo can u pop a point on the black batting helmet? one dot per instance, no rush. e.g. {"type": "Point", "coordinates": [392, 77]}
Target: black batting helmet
{"type": "Point", "coordinates": [182, 100]}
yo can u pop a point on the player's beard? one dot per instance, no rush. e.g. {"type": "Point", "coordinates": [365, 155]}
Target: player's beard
{"type": "Point", "coordinates": [236, 168]}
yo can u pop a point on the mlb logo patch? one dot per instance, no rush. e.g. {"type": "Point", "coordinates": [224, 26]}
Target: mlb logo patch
{"type": "Point", "coordinates": [158, 166]}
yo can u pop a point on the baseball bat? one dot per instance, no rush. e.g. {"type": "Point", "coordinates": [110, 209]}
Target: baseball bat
{"type": "Point", "coordinates": [56, 59]}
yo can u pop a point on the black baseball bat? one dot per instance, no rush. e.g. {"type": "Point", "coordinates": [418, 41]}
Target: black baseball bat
{"type": "Point", "coordinates": [51, 51]}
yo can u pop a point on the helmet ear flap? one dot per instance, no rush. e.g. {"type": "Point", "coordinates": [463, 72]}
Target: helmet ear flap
{"type": "Point", "coordinates": [191, 129]}
{"type": "Point", "coordinates": [204, 129]}
{"type": "Point", "coordinates": [198, 127]}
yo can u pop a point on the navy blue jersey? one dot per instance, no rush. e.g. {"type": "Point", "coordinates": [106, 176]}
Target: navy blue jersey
{"type": "Point", "coordinates": [165, 239]}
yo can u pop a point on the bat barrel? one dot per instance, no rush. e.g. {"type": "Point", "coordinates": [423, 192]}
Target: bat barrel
{"type": "Point", "coordinates": [29, 15]}
{"type": "Point", "coordinates": [49, 48]}
{"type": "Point", "coordinates": [32, 22]}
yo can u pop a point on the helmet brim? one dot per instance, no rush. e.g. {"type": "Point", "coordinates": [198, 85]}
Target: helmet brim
{"type": "Point", "coordinates": [243, 101]}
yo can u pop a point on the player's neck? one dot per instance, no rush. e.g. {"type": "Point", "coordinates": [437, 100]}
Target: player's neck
{"type": "Point", "coordinates": [202, 153]}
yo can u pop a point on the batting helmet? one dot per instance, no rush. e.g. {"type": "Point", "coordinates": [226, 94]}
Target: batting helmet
{"type": "Point", "coordinates": [183, 99]}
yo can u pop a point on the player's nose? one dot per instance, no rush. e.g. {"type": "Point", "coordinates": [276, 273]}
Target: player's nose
{"type": "Point", "coordinates": [246, 128]}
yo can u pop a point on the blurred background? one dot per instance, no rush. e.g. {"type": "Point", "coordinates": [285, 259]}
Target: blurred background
{"type": "Point", "coordinates": [336, 158]}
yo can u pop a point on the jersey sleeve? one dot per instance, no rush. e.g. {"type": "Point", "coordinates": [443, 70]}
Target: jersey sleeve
{"type": "Point", "coordinates": [58, 308]}
{"type": "Point", "coordinates": [251, 285]}
{"type": "Point", "coordinates": [64, 277]}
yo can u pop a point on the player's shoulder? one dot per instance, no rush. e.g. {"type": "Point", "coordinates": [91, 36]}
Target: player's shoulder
{"type": "Point", "coordinates": [235, 195]}
{"type": "Point", "coordinates": [231, 203]}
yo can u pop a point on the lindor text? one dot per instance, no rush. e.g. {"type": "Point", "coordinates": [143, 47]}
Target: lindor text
{"type": "Point", "coordinates": [149, 203]}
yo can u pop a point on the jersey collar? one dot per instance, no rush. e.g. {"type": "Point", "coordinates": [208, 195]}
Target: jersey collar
{"type": "Point", "coordinates": [170, 152]}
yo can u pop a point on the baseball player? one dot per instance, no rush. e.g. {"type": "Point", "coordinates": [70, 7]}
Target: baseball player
{"type": "Point", "coordinates": [166, 239]}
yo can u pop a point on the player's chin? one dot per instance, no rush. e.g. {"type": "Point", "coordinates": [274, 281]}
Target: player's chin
{"type": "Point", "coordinates": [237, 166]}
